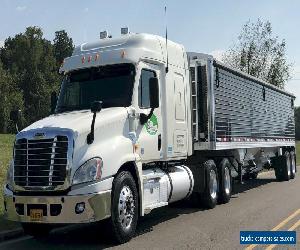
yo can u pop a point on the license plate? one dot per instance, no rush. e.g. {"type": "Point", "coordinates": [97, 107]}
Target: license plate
{"type": "Point", "coordinates": [36, 214]}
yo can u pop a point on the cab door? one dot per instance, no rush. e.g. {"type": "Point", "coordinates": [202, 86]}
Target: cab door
{"type": "Point", "coordinates": [149, 135]}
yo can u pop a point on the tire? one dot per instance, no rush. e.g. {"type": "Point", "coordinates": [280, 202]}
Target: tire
{"type": "Point", "coordinates": [283, 167]}
{"type": "Point", "coordinates": [36, 230]}
{"type": "Point", "coordinates": [209, 197]}
{"type": "Point", "coordinates": [225, 181]}
{"type": "Point", "coordinates": [124, 202]}
{"type": "Point", "coordinates": [293, 164]}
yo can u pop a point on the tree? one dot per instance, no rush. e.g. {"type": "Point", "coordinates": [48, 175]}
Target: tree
{"type": "Point", "coordinates": [260, 54]}
{"type": "Point", "coordinates": [10, 98]}
{"type": "Point", "coordinates": [63, 46]}
{"type": "Point", "coordinates": [30, 60]}
{"type": "Point", "coordinates": [29, 67]}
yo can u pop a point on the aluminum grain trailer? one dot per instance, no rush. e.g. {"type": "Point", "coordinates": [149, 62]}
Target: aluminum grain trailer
{"type": "Point", "coordinates": [242, 117]}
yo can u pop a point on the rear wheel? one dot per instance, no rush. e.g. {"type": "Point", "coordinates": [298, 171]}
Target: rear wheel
{"type": "Point", "coordinates": [293, 164]}
{"type": "Point", "coordinates": [36, 230]}
{"type": "Point", "coordinates": [283, 167]}
{"type": "Point", "coordinates": [209, 197]}
{"type": "Point", "coordinates": [225, 181]}
{"type": "Point", "coordinates": [124, 210]}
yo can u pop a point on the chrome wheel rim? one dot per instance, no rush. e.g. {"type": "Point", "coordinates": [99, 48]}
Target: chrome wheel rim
{"type": "Point", "coordinates": [288, 164]}
{"type": "Point", "coordinates": [213, 184]}
{"type": "Point", "coordinates": [227, 182]}
{"type": "Point", "coordinates": [126, 207]}
{"type": "Point", "coordinates": [293, 165]}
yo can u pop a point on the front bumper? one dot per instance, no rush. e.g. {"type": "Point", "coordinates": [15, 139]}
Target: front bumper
{"type": "Point", "coordinates": [58, 209]}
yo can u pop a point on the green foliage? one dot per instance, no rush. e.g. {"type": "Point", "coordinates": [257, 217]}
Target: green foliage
{"type": "Point", "coordinates": [10, 98]}
{"type": "Point", "coordinates": [260, 54]}
{"type": "Point", "coordinates": [63, 46]}
{"type": "Point", "coordinates": [31, 73]}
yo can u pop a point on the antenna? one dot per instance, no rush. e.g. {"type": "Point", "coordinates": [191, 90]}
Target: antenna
{"type": "Point", "coordinates": [167, 67]}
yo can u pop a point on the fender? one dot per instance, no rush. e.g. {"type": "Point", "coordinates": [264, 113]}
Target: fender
{"type": "Point", "coordinates": [133, 160]}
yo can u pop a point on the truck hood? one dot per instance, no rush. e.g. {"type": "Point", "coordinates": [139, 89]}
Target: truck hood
{"type": "Point", "coordinates": [79, 121]}
{"type": "Point", "coordinates": [111, 136]}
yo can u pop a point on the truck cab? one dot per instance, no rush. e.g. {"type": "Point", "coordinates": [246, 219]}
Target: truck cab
{"type": "Point", "coordinates": [60, 175]}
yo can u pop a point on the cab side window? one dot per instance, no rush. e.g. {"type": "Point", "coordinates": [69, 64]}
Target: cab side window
{"type": "Point", "coordinates": [144, 94]}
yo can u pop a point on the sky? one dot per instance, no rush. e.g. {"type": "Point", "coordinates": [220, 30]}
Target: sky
{"type": "Point", "coordinates": [201, 26]}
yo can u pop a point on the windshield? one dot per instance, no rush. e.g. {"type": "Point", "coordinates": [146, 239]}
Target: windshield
{"type": "Point", "coordinates": [111, 84]}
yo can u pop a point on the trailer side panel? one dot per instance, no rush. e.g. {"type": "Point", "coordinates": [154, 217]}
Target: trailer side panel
{"type": "Point", "coordinates": [249, 113]}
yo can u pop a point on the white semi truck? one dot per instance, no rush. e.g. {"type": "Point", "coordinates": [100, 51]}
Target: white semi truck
{"type": "Point", "coordinates": [140, 123]}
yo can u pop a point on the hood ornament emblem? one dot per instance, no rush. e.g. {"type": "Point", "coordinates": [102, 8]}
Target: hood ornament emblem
{"type": "Point", "coordinates": [39, 135]}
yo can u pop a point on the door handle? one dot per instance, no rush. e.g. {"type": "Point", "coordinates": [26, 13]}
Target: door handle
{"type": "Point", "coordinates": [159, 142]}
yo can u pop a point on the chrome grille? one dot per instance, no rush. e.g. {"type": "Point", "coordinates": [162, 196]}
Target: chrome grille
{"type": "Point", "coordinates": [41, 162]}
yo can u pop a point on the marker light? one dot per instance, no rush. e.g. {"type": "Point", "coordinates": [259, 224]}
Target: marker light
{"type": "Point", "coordinates": [124, 31]}
{"type": "Point", "coordinates": [89, 58]}
{"type": "Point", "coordinates": [103, 34]}
{"type": "Point", "coordinates": [83, 59]}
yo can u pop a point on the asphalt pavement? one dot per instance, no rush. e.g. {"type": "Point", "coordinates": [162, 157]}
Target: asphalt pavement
{"type": "Point", "coordinates": [262, 204]}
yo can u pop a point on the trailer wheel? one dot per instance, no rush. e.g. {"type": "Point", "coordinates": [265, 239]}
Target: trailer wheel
{"type": "Point", "coordinates": [283, 167]}
{"type": "Point", "coordinates": [225, 181]}
{"type": "Point", "coordinates": [36, 230]}
{"type": "Point", "coordinates": [209, 197]}
{"type": "Point", "coordinates": [293, 164]}
{"type": "Point", "coordinates": [124, 207]}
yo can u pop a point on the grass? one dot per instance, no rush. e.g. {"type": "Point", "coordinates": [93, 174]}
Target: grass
{"type": "Point", "coordinates": [6, 146]}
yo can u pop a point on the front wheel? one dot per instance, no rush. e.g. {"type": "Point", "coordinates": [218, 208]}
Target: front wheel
{"type": "Point", "coordinates": [124, 210]}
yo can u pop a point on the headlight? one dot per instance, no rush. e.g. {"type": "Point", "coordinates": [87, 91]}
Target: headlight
{"type": "Point", "coordinates": [10, 175]}
{"type": "Point", "coordinates": [89, 171]}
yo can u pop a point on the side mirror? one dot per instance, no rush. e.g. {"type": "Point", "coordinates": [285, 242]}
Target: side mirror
{"type": "Point", "coordinates": [53, 101]}
{"type": "Point", "coordinates": [154, 92]}
{"type": "Point", "coordinates": [96, 106]}
{"type": "Point", "coordinates": [15, 116]}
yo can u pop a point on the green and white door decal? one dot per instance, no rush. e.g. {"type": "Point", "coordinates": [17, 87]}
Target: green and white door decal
{"type": "Point", "coordinates": [151, 125]}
